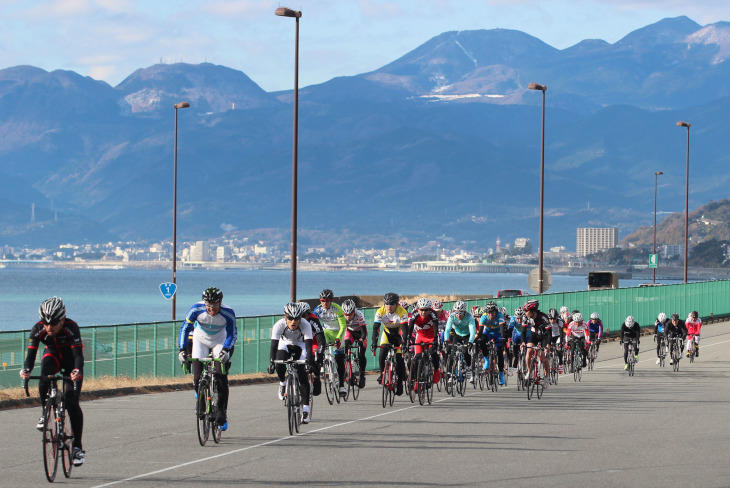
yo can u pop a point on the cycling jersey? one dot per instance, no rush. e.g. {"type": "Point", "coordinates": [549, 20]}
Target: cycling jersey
{"type": "Point", "coordinates": [211, 325]}
{"type": "Point", "coordinates": [66, 346]}
{"type": "Point", "coordinates": [464, 327]}
{"type": "Point", "coordinates": [578, 330]}
{"type": "Point", "coordinates": [660, 327]}
{"type": "Point", "coordinates": [357, 322]}
{"type": "Point", "coordinates": [540, 330]}
{"type": "Point", "coordinates": [515, 325]}
{"type": "Point", "coordinates": [596, 327]}
{"type": "Point", "coordinates": [391, 321]}
{"type": "Point", "coordinates": [630, 332]}
{"type": "Point", "coordinates": [333, 321]}
{"type": "Point", "coordinates": [557, 327]}
{"type": "Point", "coordinates": [288, 337]}
{"type": "Point", "coordinates": [693, 326]}
{"type": "Point", "coordinates": [492, 329]}
{"type": "Point", "coordinates": [443, 317]}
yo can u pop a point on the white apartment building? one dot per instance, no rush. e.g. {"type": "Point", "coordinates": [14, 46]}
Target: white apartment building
{"type": "Point", "coordinates": [591, 240]}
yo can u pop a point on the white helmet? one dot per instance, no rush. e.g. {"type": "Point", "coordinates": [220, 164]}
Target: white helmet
{"type": "Point", "coordinates": [459, 307]}
{"type": "Point", "coordinates": [594, 316]}
{"type": "Point", "coordinates": [294, 310]}
{"type": "Point", "coordinates": [519, 312]}
{"type": "Point", "coordinates": [424, 303]}
{"type": "Point", "coordinates": [630, 321]}
{"type": "Point", "coordinates": [578, 317]}
{"type": "Point", "coordinates": [563, 310]}
{"type": "Point", "coordinates": [662, 317]}
{"type": "Point", "coordinates": [348, 306]}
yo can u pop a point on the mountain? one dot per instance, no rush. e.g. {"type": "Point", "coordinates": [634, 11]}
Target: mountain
{"type": "Point", "coordinates": [442, 141]}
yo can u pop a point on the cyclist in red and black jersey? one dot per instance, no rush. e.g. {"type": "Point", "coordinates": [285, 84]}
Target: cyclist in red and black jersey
{"type": "Point", "coordinates": [319, 344]}
{"type": "Point", "coordinates": [63, 352]}
{"type": "Point", "coordinates": [540, 334]}
{"type": "Point", "coordinates": [425, 324]}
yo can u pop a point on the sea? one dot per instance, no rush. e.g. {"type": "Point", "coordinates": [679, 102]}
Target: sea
{"type": "Point", "coordinates": [127, 296]}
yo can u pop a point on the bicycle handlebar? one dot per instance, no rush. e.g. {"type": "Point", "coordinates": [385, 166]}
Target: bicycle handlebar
{"type": "Point", "coordinates": [51, 377]}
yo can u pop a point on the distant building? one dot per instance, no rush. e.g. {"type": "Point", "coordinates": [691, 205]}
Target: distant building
{"type": "Point", "coordinates": [669, 251]}
{"type": "Point", "coordinates": [223, 254]}
{"type": "Point", "coordinates": [523, 244]}
{"type": "Point", "coordinates": [592, 240]}
{"type": "Point", "coordinates": [200, 251]}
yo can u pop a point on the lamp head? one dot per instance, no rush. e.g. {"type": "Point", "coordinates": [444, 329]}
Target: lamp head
{"type": "Point", "coordinates": [287, 12]}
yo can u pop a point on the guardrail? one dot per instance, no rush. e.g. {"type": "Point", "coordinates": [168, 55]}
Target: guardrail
{"type": "Point", "coordinates": [150, 349]}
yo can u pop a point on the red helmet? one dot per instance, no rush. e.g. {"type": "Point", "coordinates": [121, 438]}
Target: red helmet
{"type": "Point", "coordinates": [530, 305]}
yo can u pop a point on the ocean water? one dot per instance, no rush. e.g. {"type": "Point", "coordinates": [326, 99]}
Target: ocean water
{"type": "Point", "coordinates": [124, 296]}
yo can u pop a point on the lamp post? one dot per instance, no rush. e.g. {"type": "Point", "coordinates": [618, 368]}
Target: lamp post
{"type": "Point", "coordinates": [174, 210]}
{"type": "Point", "coordinates": [287, 12]}
{"type": "Point", "coordinates": [543, 89]}
{"type": "Point", "coordinates": [686, 201]}
{"type": "Point", "coordinates": [656, 176]}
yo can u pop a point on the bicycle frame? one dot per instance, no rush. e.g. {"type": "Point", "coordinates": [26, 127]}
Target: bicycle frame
{"type": "Point", "coordinates": [292, 395]}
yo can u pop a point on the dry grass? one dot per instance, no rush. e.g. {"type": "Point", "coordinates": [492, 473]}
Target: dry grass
{"type": "Point", "coordinates": [107, 383]}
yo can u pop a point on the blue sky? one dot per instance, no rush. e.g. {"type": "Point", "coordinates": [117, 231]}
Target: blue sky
{"type": "Point", "coordinates": [109, 39]}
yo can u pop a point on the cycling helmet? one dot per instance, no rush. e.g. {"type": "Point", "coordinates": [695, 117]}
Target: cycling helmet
{"type": "Point", "coordinates": [578, 317]}
{"type": "Point", "coordinates": [424, 303]}
{"type": "Point", "coordinates": [563, 310]}
{"type": "Point", "coordinates": [477, 311]}
{"type": "Point", "coordinates": [437, 305]}
{"type": "Point", "coordinates": [675, 316]}
{"type": "Point", "coordinates": [491, 307]}
{"type": "Point", "coordinates": [348, 307]}
{"type": "Point", "coordinates": [391, 298]}
{"type": "Point", "coordinates": [694, 314]}
{"type": "Point", "coordinates": [459, 307]}
{"type": "Point", "coordinates": [662, 317]}
{"type": "Point", "coordinates": [594, 316]}
{"type": "Point", "coordinates": [52, 311]}
{"type": "Point", "coordinates": [552, 314]}
{"type": "Point", "coordinates": [306, 309]}
{"type": "Point", "coordinates": [404, 304]}
{"type": "Point", "coordinates": [519, 312]}
{"type": "Point", "coordinates": [326, 294]}
{"type": "Point", "coordinates": [212, 295]}
{"type": "Point", "coordinates": [530, 305]}
{"type": "Point", "coordinates": [503, 311]}
{"type": "Point", "coordinates": [294, 310]}
{"type": "Point", "coordinates": [630, 321]}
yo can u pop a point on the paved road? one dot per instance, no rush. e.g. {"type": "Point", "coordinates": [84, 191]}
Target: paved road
{"type": "Point", "coordinates": [658, 428]}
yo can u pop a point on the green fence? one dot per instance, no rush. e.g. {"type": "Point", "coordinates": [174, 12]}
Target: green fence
{"type": "Point", "coordinates": [151, 349]}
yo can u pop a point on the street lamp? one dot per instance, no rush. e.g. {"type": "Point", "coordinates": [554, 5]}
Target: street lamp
{"type": "Point", "coordinates": [653, 270]}
{"type": "Point", "coordinates": [543, 89]}
{"type": "Point", "coordinates": [287, 12]}
{"type": "Point", "coordinates": [174, 210]}
{"type": "Point", "coordinates": [686, 201]}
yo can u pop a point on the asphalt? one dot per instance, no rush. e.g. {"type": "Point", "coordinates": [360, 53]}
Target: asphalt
{"type": "Point", "coordinates": [658, 428]}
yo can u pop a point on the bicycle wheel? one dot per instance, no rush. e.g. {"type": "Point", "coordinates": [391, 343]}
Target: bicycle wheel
{"type": "Point", "coordinates": [462, 377]}
{"type": "Point", "coordinates": [68, 449]}
{"type": "Point", "coordinates": [575, 366]}
{"type": "Point", "coordinates": [329, 387]}
{"type": "Point", "coordinates": [539, 388]}
{"type": "Point", "coordinates": [298, 412]}
{"type": "Point", "coordinates": [421, 381]}
{"type": "Point", "coordinates": [384, 383]}
{"type": "Point", "coordinates": [429, 382]}
{"type": "Point", "coordinates": [692, 353]}
{"type": "Point", "coordinates": [290, 408]}
{"type": "Point", "coordinates": [50, 440]}
{"type": "Point", "coordinates": [201, 412]}
{"type": "Point", "coordinates": [529, 387]}
{"type": "Point", "coordinates": [214, 427]}
{"type": "Point", "coordinates": [349, 380]}
{"type": "Point", "coordinates": [335, 382]}
{"type": "Point", "coordinates": [393, 381]}
{"type": "Point", "coordinates": [355, 381]}
{"type": "Point", "coordinates": [410, 384]}
{"type": "Point", "coordinates": [479, 371]}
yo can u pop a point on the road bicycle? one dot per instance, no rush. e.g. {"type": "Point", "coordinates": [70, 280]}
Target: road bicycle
{"type": "Point", "coordinates": [492, 367]}
{"type": "Point", "coordinates": [676, 352]}
{"type": "Point", "coordinates": [522, 369]}
{"type": "Point", "coordinates": [534, 381]}
{"type": "Point", "coordinates": [424, 373]}
{"type": "Point", "coordinates": [591, 356]}
{"type": "Point", "coordinates": [478, 369]}
{"type": "Point", "coordinates": [662, 347]}
{"type": "Point", "coordinates": [631, 359]}
{"type": "Point", "coordinates": [330, 376]}
{"type": "Point", "coordinates": [206, 402]}
{"type": "Point", "coordinates": [57, 433]}
{"type": "Point", "coordinates": [691, 350]}
{"type": "Point", "coordinates": [410, 379]}
{"type": "Point", "coordinates": [576, 362]}
{"type": "Point", "coordinates": [292, 393]}
{"type": "Point", "coordinates": [352, 370]}
{"type": "Point", "coordinates": [389, 378]}
{"type": "Point", "coordinates": [554, 364]}
{"type": "Point", "coordinates": [458, 370]}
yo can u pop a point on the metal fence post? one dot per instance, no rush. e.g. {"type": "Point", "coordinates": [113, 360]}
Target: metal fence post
{"type": "Point", "coordinates": [136, 349]}
{"type": "Point", "coordinates": [154, 352]}
{"type": "Point", "coordinates": [93, 352]}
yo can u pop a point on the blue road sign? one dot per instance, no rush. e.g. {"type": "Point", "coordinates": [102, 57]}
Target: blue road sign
{"type": "Point", "coordinates": [168, 290]}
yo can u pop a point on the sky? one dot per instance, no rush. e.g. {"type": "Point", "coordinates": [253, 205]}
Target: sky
{"type": "Point", "coordinates": [109, 39]}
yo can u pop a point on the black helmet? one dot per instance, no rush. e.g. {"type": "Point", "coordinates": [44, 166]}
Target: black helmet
{"type": "Point", "coordinates": [52, 311]}
{"type": "Point", "coordinates": [694, 314]}
{"type": "Point", "coordinates": [675, 316]}
{"type": "Point", "coordinates": [212, 295]}
{"type": "Point", "coordinates": [326, 294]}
{"type": "Point", "coordinates": [491, 307]}
{"type": "Point", "coordinates": [391, 298]}
{"type": "Point", "coordinates": [552, 314]}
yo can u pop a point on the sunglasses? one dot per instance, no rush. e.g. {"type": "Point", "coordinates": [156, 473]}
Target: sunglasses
{"type": "Point", "coordinates": [53, 323]}
{"type": "Point", "coordinates": [292, 318]}
{"type": "Point", "coordinates": [325, 300]}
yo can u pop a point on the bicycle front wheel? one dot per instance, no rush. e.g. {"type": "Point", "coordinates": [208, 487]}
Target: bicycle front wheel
{"type": "Point", "coordinates": [50, 440]}
{"type": "Point", "coordinates": [68, 449]}
{"type": "Point", "coordinates": [213, 417]}
{"type": "Point", "coordinates": [329, 386]}
{"type": "Point", "coordinates": [291, 412]}
{"type": "Point", "coordinates": [201, 412]}
{"type": "Point", "coordinates": [421, 382]}
{"type": "Point", "coordinates": [429, 383]}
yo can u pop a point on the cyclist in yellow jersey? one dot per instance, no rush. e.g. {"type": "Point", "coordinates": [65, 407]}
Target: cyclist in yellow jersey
{"type": "Point", "coordinates": [394, 319]}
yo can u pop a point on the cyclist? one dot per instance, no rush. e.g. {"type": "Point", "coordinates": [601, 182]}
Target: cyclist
{"type": "Point", "coordinates": [443, 316]}
{"type": "Point", "coordinates": [214, 333]}
{"type": "Point", "coordinates": [565, 315]}
{"type": "Point", "coordinates": [630, 330]}
{"type": "Point", "coordinates": [357, 330]}
{"type": "Point", "coordinates": [538, 325]}
{"type": "Point", "coordinates": [424, 324]}
{"type": "Point", "coordinates": [394, 319]}
{"type": "Point", "coordinates": [675, 328]}
{"type": "Point", "coordinates": [491, 329]}
{"type": "Point", "coordinates": [506, 339]}
{"type": "Point", "coordinates": [291, 337]}
{"type": "Point", "coordinates": [693, 324]}
{"type": "Point", "coordinates": [595, 327]}
{"type": "Point", "coordinates": [557, 336]}
{"type": "Point", "coordinates": [406, 306]}
{"type": "Point", "coordinates": [63, 352]}
{"type": "Point", "coordinates": [660, 329]}
{"type": "Point", "coordinates": [334, 325]}
{"type": "Point", "coordinates": [579, 336]}
{"type": "Point", "coordinates": [319, 345]}
{"type": "Point", "coordinates": [515, 327]}
{"type": "Point", "coordinates": [460, 328]}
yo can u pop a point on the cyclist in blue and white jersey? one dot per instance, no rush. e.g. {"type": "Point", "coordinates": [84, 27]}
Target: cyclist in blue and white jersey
{"type": "Point", "coordinates": [515, 329]}
{"type": "Point", "coordinates": [214, 334]}
{"type": "Point", "coordinates": [491, 328]}
{"type": "Point", "coordinates": [460, 328]}
{"type": "Point", "coordinates": [334, 325]}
